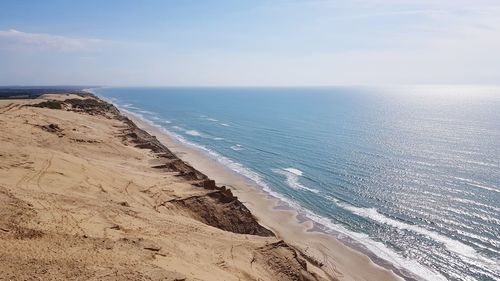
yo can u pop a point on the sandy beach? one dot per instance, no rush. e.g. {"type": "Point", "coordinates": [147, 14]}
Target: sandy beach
{"type": "Point", "coordinates": [85, 194]}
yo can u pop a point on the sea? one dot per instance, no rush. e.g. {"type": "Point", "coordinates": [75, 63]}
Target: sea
{"type": "Point", "coordinates": [410, 174]}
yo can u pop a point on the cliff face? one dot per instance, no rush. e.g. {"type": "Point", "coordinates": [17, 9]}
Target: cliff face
{"type": "Point", "coordinates": [218, 208]}
{"type": "Point", "coordinates": [87, 195]}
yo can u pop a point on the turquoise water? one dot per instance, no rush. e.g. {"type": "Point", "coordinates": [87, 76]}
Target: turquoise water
{"type": "Point", "coordinates": [408, 174]}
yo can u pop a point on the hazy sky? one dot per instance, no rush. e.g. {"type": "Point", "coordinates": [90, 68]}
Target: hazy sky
{"type": "Point", "coordinates": [344, 42]}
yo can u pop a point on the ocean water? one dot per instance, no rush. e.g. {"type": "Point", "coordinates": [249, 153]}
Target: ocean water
{"type": "Point", "coordinates": [409, 174]}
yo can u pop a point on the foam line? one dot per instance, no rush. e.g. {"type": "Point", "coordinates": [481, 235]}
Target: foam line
{"type": "Point", "coordinates": [292, 178]}
{"type": "Point", "coordinates": [466, 252]}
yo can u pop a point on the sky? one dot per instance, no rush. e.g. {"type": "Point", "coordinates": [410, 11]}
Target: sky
{"type": "Point", "coordinates": [249, 43]}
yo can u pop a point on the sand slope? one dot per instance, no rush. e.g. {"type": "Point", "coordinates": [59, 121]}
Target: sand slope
{"type": "Point", "coordinates": [82, 199]}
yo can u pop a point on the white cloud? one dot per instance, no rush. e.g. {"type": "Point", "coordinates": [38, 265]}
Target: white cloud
{"type": "Point", "coordinates": [43, 41]}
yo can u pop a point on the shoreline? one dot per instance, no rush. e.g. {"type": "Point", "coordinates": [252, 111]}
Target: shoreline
{"type": "Point", "coordinates": [340, 259]}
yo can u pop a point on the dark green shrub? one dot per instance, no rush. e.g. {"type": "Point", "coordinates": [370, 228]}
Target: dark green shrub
{"type": "Point", "coordinates": [52, 104]}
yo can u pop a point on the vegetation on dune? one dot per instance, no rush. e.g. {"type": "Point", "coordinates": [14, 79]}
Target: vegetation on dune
{"type": "Point", "coordinates": [52, 104]}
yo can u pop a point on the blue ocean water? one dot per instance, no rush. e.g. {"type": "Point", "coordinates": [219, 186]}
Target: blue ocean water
{"type": "Point", "coordinates": [410, 173]}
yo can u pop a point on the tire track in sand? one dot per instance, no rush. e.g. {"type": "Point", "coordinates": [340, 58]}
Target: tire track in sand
{"type": "Point", "coordinates": [66, 218]}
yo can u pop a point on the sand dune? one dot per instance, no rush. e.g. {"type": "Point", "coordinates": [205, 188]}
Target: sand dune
{"type": "Point", "coordinates": [86, 195]}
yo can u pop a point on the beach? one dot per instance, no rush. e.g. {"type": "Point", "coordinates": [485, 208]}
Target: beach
{"type": "Point", "coordinates": [88, 195]}
{"type": "Point", "coordinates": [250, 140]}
